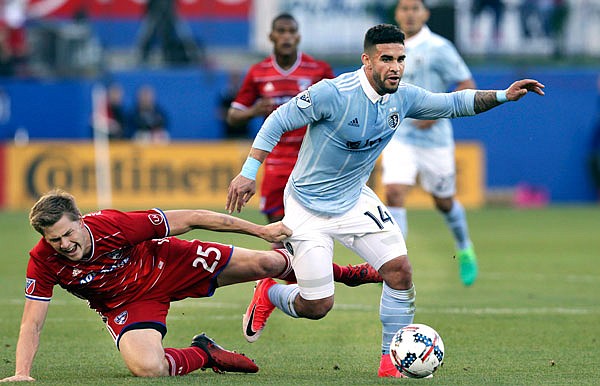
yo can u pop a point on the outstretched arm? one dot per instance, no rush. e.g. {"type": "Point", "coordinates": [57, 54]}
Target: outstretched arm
{"type": "Point", "coordinates": [34, 315]}
{"type": "Point", "coordinates": [485, 100]}
{"type": "Point", "coordinates": [182, 221]}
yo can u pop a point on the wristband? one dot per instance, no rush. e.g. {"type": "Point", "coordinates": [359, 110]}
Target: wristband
{"type": "Point", "coordinates": [250, 168]}
{"type": "Point", "coordinates": [501, 96]}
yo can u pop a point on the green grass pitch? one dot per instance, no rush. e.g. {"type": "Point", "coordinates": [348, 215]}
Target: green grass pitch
{"type": "Point", "coordinates": [532, 318]}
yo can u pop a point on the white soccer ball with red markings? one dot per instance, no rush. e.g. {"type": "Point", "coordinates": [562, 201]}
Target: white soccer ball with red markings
{"type": "Point", "coordinates": [417, 350]}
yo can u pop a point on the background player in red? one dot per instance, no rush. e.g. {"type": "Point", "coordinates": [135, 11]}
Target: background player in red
{"type": "Point", "coordinates": [267, 85]}
{"type": "Point", "coordinates": [129, 267]}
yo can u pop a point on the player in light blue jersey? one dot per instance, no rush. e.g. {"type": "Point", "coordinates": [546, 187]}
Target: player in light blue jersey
{"type": "Point", "coordinates": [426, 147]}
{"type": "Point", "coordinates": [350, 120]}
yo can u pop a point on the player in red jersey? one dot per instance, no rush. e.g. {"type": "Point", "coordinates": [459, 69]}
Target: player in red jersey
{"type": "Point", "coordinates": [267, 85]}
{"type": "Point", "coordinates": [129, 267]}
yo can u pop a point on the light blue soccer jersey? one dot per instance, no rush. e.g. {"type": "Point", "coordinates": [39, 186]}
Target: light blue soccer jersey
{"type": "Point", "coordinates": [432, 63]}
{"type": "Point", "coordinates": [349, 124]}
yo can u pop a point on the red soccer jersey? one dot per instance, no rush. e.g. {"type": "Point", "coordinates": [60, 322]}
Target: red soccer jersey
{"type": "Point", "coordinates": [121, 267]}
{"type": "Point", "coordinates": [267, 80]}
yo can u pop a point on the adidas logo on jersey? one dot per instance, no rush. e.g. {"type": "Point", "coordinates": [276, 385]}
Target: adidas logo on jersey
{"type": "Point", "coordinates": [354, 123]}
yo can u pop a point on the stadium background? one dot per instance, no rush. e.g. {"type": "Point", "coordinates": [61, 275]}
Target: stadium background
{"type": "Point", "coordinates": [542, 143]}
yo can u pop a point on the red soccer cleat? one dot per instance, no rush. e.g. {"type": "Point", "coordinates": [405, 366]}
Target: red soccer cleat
{"type": "Point", "coordinates": [221, 360]}
{"type": "Point", "coordinates": [387, 368]}
{"type": "Point", "coordinates": [355, 275]}
{"type": "Point", "coordinates": [258, 311]}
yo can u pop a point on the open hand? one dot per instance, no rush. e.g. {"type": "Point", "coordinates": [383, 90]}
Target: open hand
{"type": "Point", "coordinates": [241, 189]}
{"type": "Point", "coordinates": [521, 87]}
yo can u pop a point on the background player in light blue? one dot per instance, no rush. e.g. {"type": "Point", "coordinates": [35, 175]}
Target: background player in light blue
{"type": "Point", "coordinates": [426, 147]}
{"type": "Point", "coordinates": [351, 118]}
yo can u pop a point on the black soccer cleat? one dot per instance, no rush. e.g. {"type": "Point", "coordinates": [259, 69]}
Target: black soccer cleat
{"type": "Point", "coordinates": [221, 360]}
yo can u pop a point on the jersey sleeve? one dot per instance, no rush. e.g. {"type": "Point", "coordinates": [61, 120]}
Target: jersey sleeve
{"type": "Point", "coordinates": [139, 226]}
{"type": "Point", "coordinates": [428, 105]}
{"type": "Point", "coordinates": [308, 106]}
{"type": "Point", "coordinates": [40, 281]}
{"type": "Point", "coordinates": [248, 92]}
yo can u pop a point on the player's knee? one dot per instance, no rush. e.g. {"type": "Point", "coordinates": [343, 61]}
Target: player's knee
{"type": "Point", "coordinates": [148, 369]}
{"type": "Point", "coordinates": [397, 273]}
{"type": "Point", "coordinates": [314, 309]}
{"type": "Point", "coordinates": [269, 264]}
{"type": "Point", "coordinates": [443, 204]}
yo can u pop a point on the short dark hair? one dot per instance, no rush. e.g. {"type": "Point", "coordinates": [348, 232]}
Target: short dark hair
{"type": "Point", "coordinates": [51, 207]}
{"type": "Point", "coordinates": [424, 2]}
{"type": "Point", "coordinates": [283, 16]}
{"type": "Point", "coordinates": [381, 34]}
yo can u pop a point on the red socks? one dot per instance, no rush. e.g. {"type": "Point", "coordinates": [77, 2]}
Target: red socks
{"type": "Point", "coordinates": [185, 360]}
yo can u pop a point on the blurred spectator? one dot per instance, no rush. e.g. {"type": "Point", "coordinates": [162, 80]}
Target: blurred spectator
{"type": "Point", "coordinates": [13, 38]}
{"type": "Point", "coordinates": [496, 7]}
{"type": "Point", "coordinates": [543, 17]}
{"type": "Point", "coordinates": [148, 119]}
{"type": "Point", "coordinates": [117, 122]}
{"type": "Point", "coordinates": [227, 96]}
{"type": "Point", "coordinates": [161, 25]}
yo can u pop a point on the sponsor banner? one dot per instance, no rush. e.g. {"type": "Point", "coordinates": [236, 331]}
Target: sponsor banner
{"type": "Point", "coordinates": [175, 176]}
{"type": "Point", "coordinates": [179, 175]}
{"type": "Point", "coordinates": [470, 179]}
{"type": "Point", "coordinates": [105, 9]}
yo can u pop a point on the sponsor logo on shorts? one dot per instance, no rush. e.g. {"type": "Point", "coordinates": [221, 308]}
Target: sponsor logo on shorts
{"type": "Point", "coordinates": [289, 248]}
{"type": "Point", "coordinates": [29, 286]}
{"type": "Point", "coordinates": [121, 318]}
{"type": "Point", "coordinates": [155, 218]}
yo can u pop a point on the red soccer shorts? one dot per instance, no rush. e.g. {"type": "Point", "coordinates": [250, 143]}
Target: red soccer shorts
{"type": "Point", "coordinates": [191, 270]}
{"type": "Point", "coordinates": [271, 189]}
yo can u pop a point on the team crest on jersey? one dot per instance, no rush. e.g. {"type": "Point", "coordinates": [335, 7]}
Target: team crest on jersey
{"type": "Point", "coordinates": [29, 286]}
{"type": "Point", "coordinates": [121, 318]}
{"type": "Point", "coordinates": [76, 272]}
{"type": "Point", "coordinates": [393, 120]}
{"type": "Point", "coordinates": [303, 100]}
{"type": "Point", "coordinates": [269, 87]}
{"type": "Point", "coordinates": [155, 218]}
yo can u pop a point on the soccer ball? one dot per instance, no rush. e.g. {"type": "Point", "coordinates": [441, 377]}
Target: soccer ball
{"type": "Point", "coordinates": [417, 350]}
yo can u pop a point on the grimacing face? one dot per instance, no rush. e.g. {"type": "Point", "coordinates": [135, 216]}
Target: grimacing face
{"type": "Point", "coordinates": [384, 67]}
{"type": "Point", "coordinates": [69, 238]}
{"type": "Point", "coordinates": [285, 37]}
{"type": "Point", "coordinates": [411, 16]}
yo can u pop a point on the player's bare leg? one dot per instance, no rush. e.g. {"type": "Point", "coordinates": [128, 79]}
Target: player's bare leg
{"type": "Point", "coordinates": [143, 353]}
{"type": "Point", "coordinates": [249, 265]}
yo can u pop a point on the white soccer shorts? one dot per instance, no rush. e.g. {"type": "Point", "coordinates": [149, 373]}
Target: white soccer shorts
{"type": "Point", "coordinates": [435, 167]}
{"type": "Point", "coordinates": [367, 229]}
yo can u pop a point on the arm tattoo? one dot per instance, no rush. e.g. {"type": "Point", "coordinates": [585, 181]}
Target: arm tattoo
{"type": "Point", "coordinates": [485, 100]}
